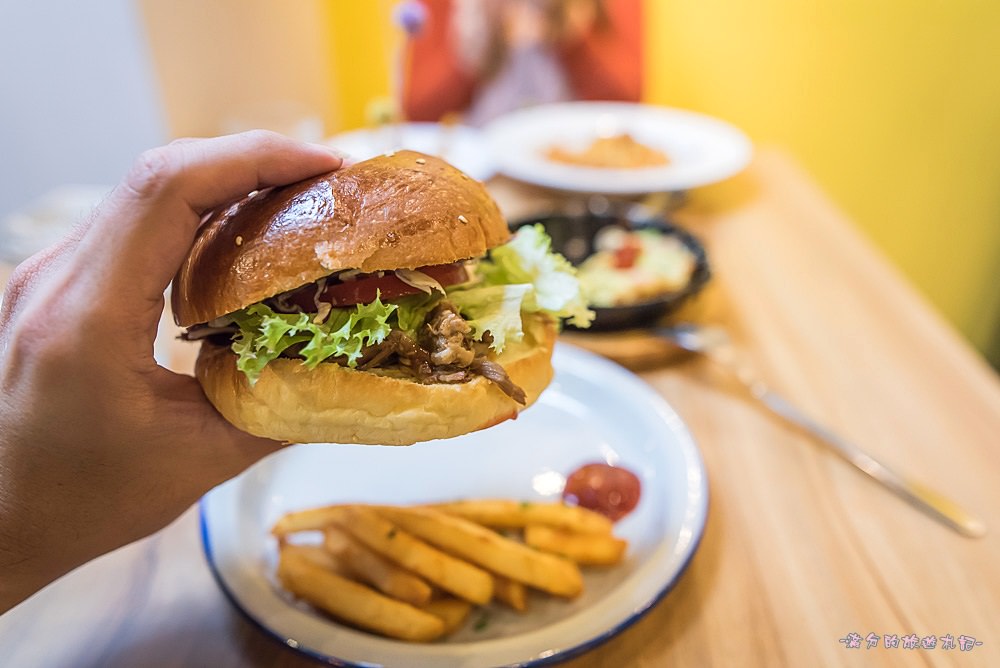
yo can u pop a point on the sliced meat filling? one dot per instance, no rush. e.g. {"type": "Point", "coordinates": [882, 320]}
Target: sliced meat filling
{"type": "Point", "coordinates": [444, 351]}
{"type": "Point", "coordinates": [446, 335]}
{"type": "Point", "coordinates": [495, 373]}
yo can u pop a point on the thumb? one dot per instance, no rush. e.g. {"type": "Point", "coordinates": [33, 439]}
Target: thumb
{"type": "Point", "coordinates": [143, 230]}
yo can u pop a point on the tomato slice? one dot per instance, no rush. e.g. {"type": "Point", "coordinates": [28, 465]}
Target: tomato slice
{"type": "Point", "coordinates": [626, 256]}
{"type": "Point", "coordinates": [386, 287]}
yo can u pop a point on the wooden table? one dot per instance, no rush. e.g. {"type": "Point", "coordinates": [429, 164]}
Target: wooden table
{"type": "Point", "coordinates": [800, 550]}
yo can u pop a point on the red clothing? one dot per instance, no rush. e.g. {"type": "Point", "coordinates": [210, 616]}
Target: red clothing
{"type": "Point", "coordinates": [604, 64]}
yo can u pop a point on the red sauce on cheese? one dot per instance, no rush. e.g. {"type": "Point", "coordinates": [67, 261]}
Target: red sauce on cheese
{"type": "Point", "coordinates": [626, 256]}
{"type": "Point", "coordinates": [610, 490]}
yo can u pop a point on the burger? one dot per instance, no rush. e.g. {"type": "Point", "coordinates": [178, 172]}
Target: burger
{"type": "Point", "coordinates": [383, 303]}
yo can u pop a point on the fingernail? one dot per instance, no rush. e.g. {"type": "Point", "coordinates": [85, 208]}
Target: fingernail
{"type": "Point", "coordinates": [335, 151]}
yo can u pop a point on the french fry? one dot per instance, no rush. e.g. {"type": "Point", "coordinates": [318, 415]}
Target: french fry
{"type": "Point", "coordinates": [317, 555]}
{"type": "Point", "coordinates": [511, 593]}
{"type": "Point", "coordinates": [372, 568]}
{"type": "Point", "coordinates": [487, 548]}
{"type": "Point", "coordinates": [352, 602]}
{"type": "Point", "coordinates": [452, 611]}
{"type": "Point", "coordinates": [505, 514]}
{"type": "Point", "coordinates": [311, 519]}
{"type": "Point", "coordinates": [447, 572]}
{"type": "Point", "coordinates": [585, 549]}
{"type": "Point", "coordinates": [429, 564]}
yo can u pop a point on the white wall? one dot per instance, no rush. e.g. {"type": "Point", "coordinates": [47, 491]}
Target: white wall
{"type": "Point", "coordinates": [78, 97]}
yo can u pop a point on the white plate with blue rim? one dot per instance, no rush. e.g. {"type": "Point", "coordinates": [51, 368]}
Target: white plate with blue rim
{"type": "Point", "coordinates": [700, 149]}
{"type": "Point", "coordinates": [594, 411]}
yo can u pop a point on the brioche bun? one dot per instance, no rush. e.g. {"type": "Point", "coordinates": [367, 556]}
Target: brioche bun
{"type": "Point", "coordinates": [398, 211]}
{"type": "Point", "coordinates": [335, 404]}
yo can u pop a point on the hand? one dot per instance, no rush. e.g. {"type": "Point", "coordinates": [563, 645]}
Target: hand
{"type": "Point", "coordinates": [100, 446]}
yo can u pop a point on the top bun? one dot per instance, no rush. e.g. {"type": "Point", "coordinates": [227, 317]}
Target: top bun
{"type": "Point", "coordinates": [401, 210]}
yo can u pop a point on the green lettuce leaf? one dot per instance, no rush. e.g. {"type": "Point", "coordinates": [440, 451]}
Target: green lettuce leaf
{"type": "Point", "coordinates": [495, 309]}
{"type": "Point", "coordinates": [411, 312]}
{"type": "Point", "coordinates": [523, 276]}
{"type": "Point", "coordinates": [264, 334]}
{"type": "Point", "coordinates": [528, 259]}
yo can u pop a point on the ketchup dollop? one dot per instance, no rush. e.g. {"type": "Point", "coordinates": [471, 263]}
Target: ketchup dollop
{"type": "Point", "coordinates": [612, 491]}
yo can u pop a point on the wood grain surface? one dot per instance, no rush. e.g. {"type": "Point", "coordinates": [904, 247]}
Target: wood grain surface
{"type": "Point", "coordinates": [799, 550]}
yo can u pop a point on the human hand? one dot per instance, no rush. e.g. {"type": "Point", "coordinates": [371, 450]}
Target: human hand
{"type": "Point", "coordinates": [100, 446]}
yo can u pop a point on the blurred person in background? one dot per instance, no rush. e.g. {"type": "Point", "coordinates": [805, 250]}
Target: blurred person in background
{"type": "Point", "coordinates": [482, 58]}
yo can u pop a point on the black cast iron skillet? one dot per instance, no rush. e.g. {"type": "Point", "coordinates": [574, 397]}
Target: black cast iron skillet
{"type": "Point", "coordinates": [573, 236]}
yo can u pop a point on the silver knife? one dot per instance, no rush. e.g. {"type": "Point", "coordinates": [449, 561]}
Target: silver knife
{"type": "Point", "coordinates": [713, 343]}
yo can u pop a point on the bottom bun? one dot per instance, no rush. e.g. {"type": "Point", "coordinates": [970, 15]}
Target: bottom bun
{"type": "Point", "coordinates": [335, 404]}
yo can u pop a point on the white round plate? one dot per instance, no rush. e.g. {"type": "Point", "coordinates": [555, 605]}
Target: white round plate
{"type": "Point", "coordinates": [462, 146]}
{"type": "Point", "coordinates": [593, 411]}
{"type": "Point", "coordinates": [701, 149]}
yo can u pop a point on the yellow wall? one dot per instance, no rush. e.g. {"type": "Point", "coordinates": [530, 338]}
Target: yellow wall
{"type": "Point", "coordinates": [893, 106]}
{"type": "Point", "coordinates": [362, 51]}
